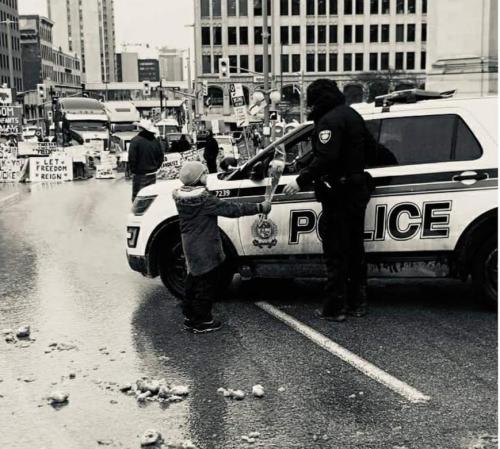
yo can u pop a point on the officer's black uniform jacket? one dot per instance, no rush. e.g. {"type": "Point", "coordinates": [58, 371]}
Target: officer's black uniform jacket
{"type": "Point", "coordinates": [340, 140]}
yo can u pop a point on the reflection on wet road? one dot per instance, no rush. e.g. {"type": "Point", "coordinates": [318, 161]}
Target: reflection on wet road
{"type": "Point", "coordinates": [63, 271]}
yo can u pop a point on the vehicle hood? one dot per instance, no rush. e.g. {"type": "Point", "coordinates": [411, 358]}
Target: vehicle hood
{"type": "Point", "coordinates": [97, 135]}
{"type": "Point", "coordinates": [165, 188]}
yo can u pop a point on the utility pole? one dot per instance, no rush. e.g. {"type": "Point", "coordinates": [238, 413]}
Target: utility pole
{"type": "Point", "coordinates": [161, 98]}
{"type": "Point", "coordinates": [265, 66]}
{"type": "Point", "coordinates": [302, 97]}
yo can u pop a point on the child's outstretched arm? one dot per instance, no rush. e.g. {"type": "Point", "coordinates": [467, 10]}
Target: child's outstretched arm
{"type": "Point", "coordinates": [216, 206]}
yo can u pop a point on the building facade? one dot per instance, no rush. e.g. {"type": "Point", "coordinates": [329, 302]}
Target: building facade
{"type": "Point", "coordinates": [127, 67]}
{"type": "Point", "coordinates": [86, 27]}
{"type": "Point", "coordinates": [367, 46]}
{"type": "Point", "coordinates": [149, 70]}
{"type": "Point", "coordinates": [171, 64]}
{"type": "Point", "coordinates": [9, 12]}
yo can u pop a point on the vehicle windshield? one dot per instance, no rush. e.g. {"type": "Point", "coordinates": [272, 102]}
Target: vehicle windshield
{"type": "Point", "coordinates": [88, 125]}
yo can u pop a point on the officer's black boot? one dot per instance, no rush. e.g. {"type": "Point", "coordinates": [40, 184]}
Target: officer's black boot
{"type": "Point", "coordinates": [334, 308]}
{"type": "Point", "coordinates": [358, 301]}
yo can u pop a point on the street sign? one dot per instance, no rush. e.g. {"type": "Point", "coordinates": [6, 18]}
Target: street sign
{"type": "Point", "coordinates": [239, 104]}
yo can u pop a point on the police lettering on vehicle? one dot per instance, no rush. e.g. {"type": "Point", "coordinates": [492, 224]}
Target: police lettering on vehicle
{"type": "Point", "coordinates": [404, 221]}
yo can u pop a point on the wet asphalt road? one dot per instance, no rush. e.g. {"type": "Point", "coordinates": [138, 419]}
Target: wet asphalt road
{"type": "Point", "coordinates": [63, 271]}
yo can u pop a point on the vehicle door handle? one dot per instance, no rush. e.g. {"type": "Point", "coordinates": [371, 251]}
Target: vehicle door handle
{"type": "Point", "coordinates": [470, 176]}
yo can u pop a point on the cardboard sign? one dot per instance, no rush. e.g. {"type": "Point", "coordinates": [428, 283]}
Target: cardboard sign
{"type": "Point", "coordinates": [94, 147]}
{"type": "Point", "coordinates": [11, 120]}
{"type": "Point", "coordinates": [78, 153]}
{"type": "Point", "coordinates": [55, 168]}
{"type": "Point", "coordinates": [37, 148]}
{"type": "Point", "coordinates": [108, 159]}
{"type": "Point", "coordinates": [104, 172]}
{"type": "Point", "coordinates": [173, 162]}
{"type": "Point", "coordinates": [10, 169]}
{"type": "Point", "coordinates": [8, 152]}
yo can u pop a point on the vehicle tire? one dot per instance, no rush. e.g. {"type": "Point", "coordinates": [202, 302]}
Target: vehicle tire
{"type": "Point", "coordinates": [485, 270]}
{"type": "Point", "coordinates": [173, 269]}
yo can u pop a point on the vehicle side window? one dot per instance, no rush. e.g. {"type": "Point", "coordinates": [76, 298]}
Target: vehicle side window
{"type": "Point", "coordinates": [467, 147]}
{"type": "Point", "coordinates": [416, 140]}
{"type": "Point", "coordinates": [299, 147]}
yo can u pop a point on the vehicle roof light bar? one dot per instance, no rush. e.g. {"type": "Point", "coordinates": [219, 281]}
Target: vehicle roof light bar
{"type": "Point", "coordinates": [410, 96]}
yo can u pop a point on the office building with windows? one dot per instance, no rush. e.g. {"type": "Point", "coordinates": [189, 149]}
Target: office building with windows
{"type": "Point", "coordinates": [86, 27]}
{"type": "Point", "coordinates": [365, 45]}
{"type": "Point", "coordinates": [9, 12]}
{"type": "Point", "coordinates": [171, 64]}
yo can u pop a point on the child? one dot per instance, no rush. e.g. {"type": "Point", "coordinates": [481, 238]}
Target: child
{"type": "Point", "coordinates": [201, 241]}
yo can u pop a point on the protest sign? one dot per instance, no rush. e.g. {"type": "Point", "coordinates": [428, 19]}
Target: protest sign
{"type": "Point", "coordinates": [11, 120]}
{"type": "Point", "coordinates": [108, 159]}
{"type": "Point", "coordinates": [104, 172]}
{"type": "Point", "coordinates": [37, 148]}
{"type": "Point", "coordinates": [8, 152]}
{"type": "Point", "coordinates": [10, 169]}
{"type": "Point", "coordinates": [78, 153]}
{"type": "Point", "coordinates": [54, 168]}
{"type": "Point", "coordinates": [173, 163]}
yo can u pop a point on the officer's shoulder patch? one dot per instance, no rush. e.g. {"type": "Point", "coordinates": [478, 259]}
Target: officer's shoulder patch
{"type": "Point", "coordinates": [325, 136]}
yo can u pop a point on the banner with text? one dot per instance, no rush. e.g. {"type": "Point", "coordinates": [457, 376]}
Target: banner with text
{"type": "Point", "coordinates": [55, 168]}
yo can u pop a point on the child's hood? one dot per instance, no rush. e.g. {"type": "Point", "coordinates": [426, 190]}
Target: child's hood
{"type": "Point", "coordinates": [190, 199]}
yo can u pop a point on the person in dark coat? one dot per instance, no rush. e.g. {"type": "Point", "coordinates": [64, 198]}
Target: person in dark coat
{"type": "Point", "coordinates": [211, 152]}
{"type": "Point", "coordinates": [202, 243]}
{"type": "Point", "coordinates": [183, 144]}
{"type": "Point", "coordinates": [145, 157]}
{"type": "Point", "coordinates": [342, 145]}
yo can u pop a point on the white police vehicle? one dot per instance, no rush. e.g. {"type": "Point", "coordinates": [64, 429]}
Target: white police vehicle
{"type": "Point", "coordinates": [433, 212]}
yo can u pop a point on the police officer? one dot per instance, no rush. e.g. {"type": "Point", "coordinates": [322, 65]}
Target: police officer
{"type": "Point", "coordinates": [341, 145]}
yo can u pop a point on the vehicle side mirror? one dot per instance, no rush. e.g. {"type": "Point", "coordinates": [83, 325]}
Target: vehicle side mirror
{"type": "Point", "coordinates": [258, 172]}
{"type": "Point", "coordinates": [113, 128]}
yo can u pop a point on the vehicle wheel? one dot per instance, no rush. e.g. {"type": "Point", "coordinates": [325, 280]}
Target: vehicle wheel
{"type": "Point", "coordinates": [173, 269]}
{"type": "Point", "coordinates": [485, 270]}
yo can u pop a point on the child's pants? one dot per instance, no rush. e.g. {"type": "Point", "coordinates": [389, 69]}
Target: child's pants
{"type": "Point", "coordinates": [200, 293]}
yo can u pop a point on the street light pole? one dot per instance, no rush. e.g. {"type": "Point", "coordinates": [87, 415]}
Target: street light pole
{"type": "Point", "coordinates": [265, 66]}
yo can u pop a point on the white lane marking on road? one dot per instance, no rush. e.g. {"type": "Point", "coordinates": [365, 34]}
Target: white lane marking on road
{"type": "Point", "coordinates": [9, 198]}
{"type": "Point", "coordinates": [367, 368]}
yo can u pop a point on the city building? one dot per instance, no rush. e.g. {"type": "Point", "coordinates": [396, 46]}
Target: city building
{"type": "Point", "coordinates": [58, 71]}
{"type": "Point", "coordinates": [10, 50]}
{"type": "Point", "coordinates": [171, 64]}
{"type": "Point", "coordinates": [149, 70]}
{"type": "Point", "coordinates": [87, 29]}
{"type": "Point", "coordinates": [367, 46]}
{"type": "Point", "coordinates": [127, 67]}
{"type": "Point", "coordinates": [463, 53]}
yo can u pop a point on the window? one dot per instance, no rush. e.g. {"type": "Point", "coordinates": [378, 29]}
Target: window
{"type": "Point", "coordinates": [400, 33]}
{"type": "Point", "coordinates": [360, 7]}
{"type": "Point", "coordinates": [412, 7]}
{"type": "Point", "coordinates": [321, 62]}
{"type": "Point", "coordinates": [257, 35]}
{"type": "Point", "coordinates": [418, 140]}
{"type": "Point", "coordinates": [399, 61]}
{"type": "Point", "coordinates": [231, 7]}
{"type": "Point", "coordinates": [205, 35]}
{"type": "Point", "coordinates": [321, 7]}
{"type": "Point", "coordinates": [216, 63]}
{"type": "Point", "coordinates": [359, 33]}
{"type": "Point", "coordinates": [385, 33]}
{"type": "Point", "coordinates": [423, 60]}
{"type": "Point", "coordinates": [284, 35]}
{"type": "Point", "coordinates": [244, 62]}
{"type": "Point", "coordinates": [243, 36]}
{"type": "Point", "coordinates": [386, 6]}
{"type": "Point", "coordinates": [467, 148]}
{"type": "Point", "coordinates": [206, 62]}
{"type": "Point", "coordinates": [410, 32]}
{"type": "Point", "coordinates": [424, 32]}
{"type": "Point", "coordinates": [347, 62]}
{"type": "Point", "coordinates": [259, 63]}
{"type": "Point", "coordinates": [284, 7]}
{"type": "Point", "coordinates": [217, 36]}
{"type": "Point", "coordinates": [310, 34]}
{"type": "Point", "coordinates": [333, 34]}
{"type": "Point", "coordinates": [296, 63]}
{"type": "Point", "coordinates": [347, 7]}
{"type": "Point", "coordinates": [400, 6]}
{"type": "Point", "coordinates": [384, 61]}
{"type": "Point", "coordinates": [333, 60]}
{"type": "Point", "coordinates": [310, 60]}
{"type": "Point", "coordinates": [333, 7]}
{"type": "Point", "coordinates": [410, 61]}
{"type": "Point", "coordinates": [358, 62]}
{"type": "Point", "coordinates": [257, 7]}
{"type": "Point", "coordinates": [347, 34]}
{"type": "Point", "coordinates": [244, 8]}
{"type": "Point", "coordinates": [205, 8]}
{"type": "Point", "coordinates": [373, 6]}
{"type": "Point", "coordinates": [295, 35]}
{"type": "Point", "coordinates": [424, 6]}
{"type": "Point", "coordinates": [373, 33]}
{"type": "Point", "coordinates": [216, 8]}
{"type": "Point", "coordinates": [285, 63]}
{"type": "Point", "coordinates": [321, 34]}
{"type": "Point", "coordinates": [295, 7]}
{"type": "Point", "coordinates": [233, 64]}
{"type": "Point", "coordinates": [373, 61]}
{"type": "Point", "coordinates": [232, 36]}
{"type": "Point", "coordinates": [310, 7]}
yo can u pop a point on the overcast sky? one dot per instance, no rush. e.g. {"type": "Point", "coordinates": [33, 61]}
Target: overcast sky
{"type": "Point", "coordinates": [156, 22]}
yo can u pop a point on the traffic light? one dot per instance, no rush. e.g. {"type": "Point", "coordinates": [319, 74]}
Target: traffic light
{"type": "Point", "coordinates": [146, 89]}
{"type": "Point", "coordinates": [42, 93]}
{"type": "Point", "coordinates": [204, 88]}
{"type": "Point", "coordinates": [224, 68]}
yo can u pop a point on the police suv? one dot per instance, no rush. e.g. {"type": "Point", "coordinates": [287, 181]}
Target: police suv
{"type": "Point", "coordinates": [433, 212]}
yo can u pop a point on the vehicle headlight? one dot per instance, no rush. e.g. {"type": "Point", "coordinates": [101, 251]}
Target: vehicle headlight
{"type": "Point", "coordinates": [142, 203]}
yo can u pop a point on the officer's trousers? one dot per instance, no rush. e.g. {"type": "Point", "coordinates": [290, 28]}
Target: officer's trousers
{"type": "Point", "coordinates": [342, 230]}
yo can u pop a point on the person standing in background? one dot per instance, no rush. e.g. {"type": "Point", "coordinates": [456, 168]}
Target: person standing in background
{"type": "Point", "coordinates": [211, 152]}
